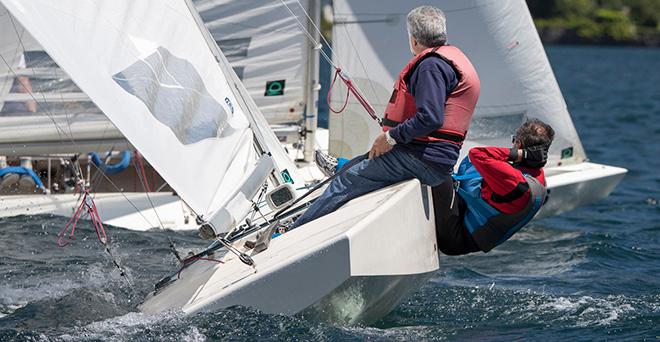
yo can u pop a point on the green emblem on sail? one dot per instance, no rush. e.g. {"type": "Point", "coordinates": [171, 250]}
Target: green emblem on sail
{"type": "Point", "coordinates": [275, 88]}
{"type": "Point", "coordinates": [567, 152]}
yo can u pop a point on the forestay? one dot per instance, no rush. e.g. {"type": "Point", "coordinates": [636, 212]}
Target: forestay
{"type": "Point", "coordinates": [500, 39]}
{"type": "Point", "coordinates": [147, 66]}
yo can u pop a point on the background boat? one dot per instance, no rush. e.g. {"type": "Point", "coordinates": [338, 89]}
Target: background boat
{"type": "Point", "coordinates": [517, 82]}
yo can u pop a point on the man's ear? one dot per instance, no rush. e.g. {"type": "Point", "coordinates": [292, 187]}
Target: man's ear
{"type": "Point", "coordinates": [413, 45]}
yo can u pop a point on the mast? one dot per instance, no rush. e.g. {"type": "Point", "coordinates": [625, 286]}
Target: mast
{"type": "Point", "coordinates": [312, 83]}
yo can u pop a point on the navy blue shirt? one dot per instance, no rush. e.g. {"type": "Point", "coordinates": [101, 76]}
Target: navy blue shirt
{"type": "Point", "coordinates": [429, 84]}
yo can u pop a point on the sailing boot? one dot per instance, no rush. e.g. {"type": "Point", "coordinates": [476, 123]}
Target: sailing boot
{"type": "Point", "coordinates": [325, 162]}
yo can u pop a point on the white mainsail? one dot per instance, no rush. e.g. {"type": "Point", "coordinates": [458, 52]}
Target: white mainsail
{"type": "Point", "coordinates": [10, 51]}
{"type": "Point", "coordinates": [61, 110]}
{"type": "Point", "coordinates": [261, 40]}
{"type": "Point", "coordinates": [517, 81]}
{"type": "Point", "coordinates": [267, 50]}
{"type": "Point", "coordinates": [147, 66]}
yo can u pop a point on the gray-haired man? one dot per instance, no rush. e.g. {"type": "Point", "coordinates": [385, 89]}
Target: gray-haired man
{"type": "Point", "coordinates": [425, 121]}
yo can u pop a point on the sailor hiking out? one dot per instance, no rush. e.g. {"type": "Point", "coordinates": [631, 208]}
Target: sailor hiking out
{"type": "Point", "coordinates": [496, 191]}
{"type": "Point", "coordinates": [425, 121]}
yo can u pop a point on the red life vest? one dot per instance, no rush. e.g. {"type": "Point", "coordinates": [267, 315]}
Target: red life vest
{"type": "Point", "coordinates": [459, 105]}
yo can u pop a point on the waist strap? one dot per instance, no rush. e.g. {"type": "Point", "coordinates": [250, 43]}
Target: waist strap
{"type": "Point", "coordinates": [458, 138]}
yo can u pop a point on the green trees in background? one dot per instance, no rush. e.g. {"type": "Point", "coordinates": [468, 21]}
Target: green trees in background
{"type": "Point", "coordinates": [598, 20]}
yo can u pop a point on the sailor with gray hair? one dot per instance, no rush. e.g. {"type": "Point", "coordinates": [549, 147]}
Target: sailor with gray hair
{"type": "Point", "coordinates": [424, 124]}
{"type": "Point", "coordinates": [428, 25]}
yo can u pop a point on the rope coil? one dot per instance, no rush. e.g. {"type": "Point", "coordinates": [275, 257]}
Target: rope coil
{"type": "Point", "coordinates": [87, 206]}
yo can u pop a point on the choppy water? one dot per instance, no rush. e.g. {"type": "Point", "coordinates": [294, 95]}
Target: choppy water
{"type": "Point", "coordinates": [591, 274]}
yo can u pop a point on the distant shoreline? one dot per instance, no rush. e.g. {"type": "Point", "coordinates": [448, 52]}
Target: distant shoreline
{"type": "Point", "coordinates": [554, 35]}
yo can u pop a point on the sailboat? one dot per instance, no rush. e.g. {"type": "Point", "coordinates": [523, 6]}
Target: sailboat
{"type": "Point", "coordinates": [517, 82]}
{"type": "Point", "coordinates": [156, 58]}
{"type": "Point", "coordinates": [263, 45]}
{"type": "Point", "coordinates": [149, 65]}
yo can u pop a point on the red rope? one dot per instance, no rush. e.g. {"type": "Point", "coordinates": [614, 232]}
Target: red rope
{"type": "Point", "coordinates": [88, 206]}
{"type": "Point", "coordinates": [350, 89]}
{"type": "Point", "coordinates": [328, 98]}
{"type": "Point", "coordinates": [143, 174]}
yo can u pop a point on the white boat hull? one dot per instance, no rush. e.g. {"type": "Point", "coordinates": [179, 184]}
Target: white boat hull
{"type": "Point", "coordinates": [353, 265]}
{"type": "Point", "coordinates": [578, 185]}
{"type": "Point", "coordinates": [114, 208]}
{"type": "Point", "coordinates": [133, 210]}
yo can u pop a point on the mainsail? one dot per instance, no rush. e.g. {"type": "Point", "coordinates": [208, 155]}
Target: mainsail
{"type": "Point", "coordinates": [267, 50]}
{"type": "Point", "coordinates": [39, 122]}
{"type": "Point", "coordinates": [148, 67]}
{"type": "Point", "coordinates": [262, 41]}
{"type": "Point", "coordinates": [517, 81]}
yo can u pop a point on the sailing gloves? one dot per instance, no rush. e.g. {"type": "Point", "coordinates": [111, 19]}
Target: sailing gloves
{"type": "Point", "coordinates": [533, 157]}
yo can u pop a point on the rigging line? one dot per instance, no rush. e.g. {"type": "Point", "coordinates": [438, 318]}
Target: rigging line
{"type": "Point", "coordinates": [144, 187]}
{"type": "Point", "coordinates": [332, 51]}
{"type": "Point", "coordinates": [140, 172]}
{"type": "Point", "coordinates": [364, 69]}
{"type": "Point", "coordinates": [259, 198]}
{"type": "Point", "coordinates": [325, 56]}
{"type": "Point", "coordinates": [59, 129]}
{"type": "Point", "coordinates": [96, 179]}
{"type": "Point", "coordinates": [29, 92]}
{"type": "Point", "coordinates": [309, 35]}
{"type": "Point", "coordinates": [24, 51]}
{"type": "Point", "coordinates": [311, 21]}
{"type": "Point", "coordinates": [335, 54]}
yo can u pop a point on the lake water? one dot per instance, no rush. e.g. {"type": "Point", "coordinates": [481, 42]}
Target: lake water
{"type": "Point", "coordinates": [591, 274]}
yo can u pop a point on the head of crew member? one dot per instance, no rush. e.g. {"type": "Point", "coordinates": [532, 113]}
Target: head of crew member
{"type": "Point", "coordinates": [499, 190]}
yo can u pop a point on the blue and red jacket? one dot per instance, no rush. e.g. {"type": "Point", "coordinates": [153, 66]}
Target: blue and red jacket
{"type": "Point", "coordinates": [502, 179]}
{"type": "Point", "coordinates": [500, 197]}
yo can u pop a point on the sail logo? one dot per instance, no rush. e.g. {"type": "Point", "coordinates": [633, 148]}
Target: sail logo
{"type": "Point", "coordinates": [274, 88]}
{"type": "Point", "coordinates": [174, 92]}
{"type": "Point", "coordinates": [231, 105]}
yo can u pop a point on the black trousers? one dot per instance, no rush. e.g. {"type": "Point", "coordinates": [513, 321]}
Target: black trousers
{"type": "Point", "coordinates": [449, 208]}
